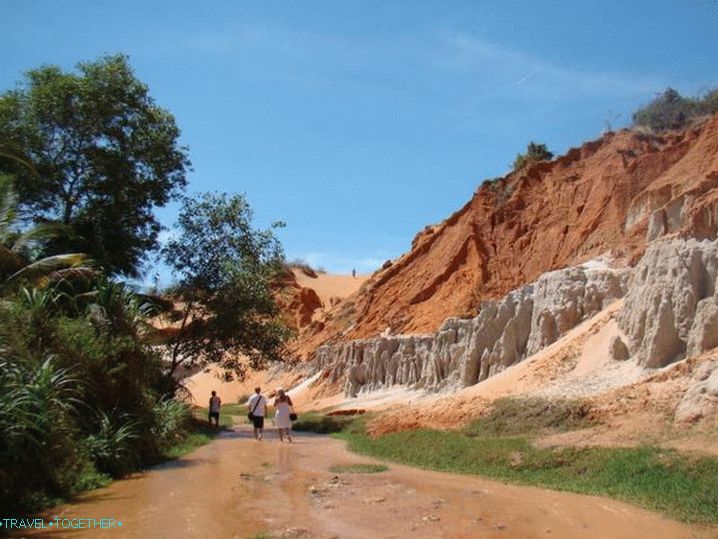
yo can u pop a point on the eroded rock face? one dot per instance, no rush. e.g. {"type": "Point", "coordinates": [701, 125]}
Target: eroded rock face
{"type": "Point", "coordinates": [613, 194]}
{"type": "Point", "coordinates": [701, 399]}
{"type": "Point", "coordinates": [671, 309]}
{"type": "Point", "coordinates": [463, 352]}
{"type": "Point", "coordinates": [565, 298]}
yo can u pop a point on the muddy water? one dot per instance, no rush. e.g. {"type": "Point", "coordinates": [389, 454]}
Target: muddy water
{"type": "Point", "coordinates": [235, 487]}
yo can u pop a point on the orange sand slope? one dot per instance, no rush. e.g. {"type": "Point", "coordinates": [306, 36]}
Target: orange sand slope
{"type": "Point", "coordinates": [330, 287]}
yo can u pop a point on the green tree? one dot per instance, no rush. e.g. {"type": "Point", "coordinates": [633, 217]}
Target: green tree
{"type": "Point", "coordinates": [224, 268]}
{"type": "Point", "coordinates": [534, 152]}
{"type": "Point", "coordinates": [104, 156]}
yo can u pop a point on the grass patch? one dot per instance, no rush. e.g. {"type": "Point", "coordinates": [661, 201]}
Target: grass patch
{"type": "Point", "coordinates": [226, 415]}
{"type": "Point", "coordinates": [200, 433]}
{"type": "Point", "coordinates": [359, 468]}
{"type": "Point", "coordinates": [681, 486]}
{"type": "Point", "coordinates": [522, 416]}
{"type": "Point", "coordinates": [325, 424]}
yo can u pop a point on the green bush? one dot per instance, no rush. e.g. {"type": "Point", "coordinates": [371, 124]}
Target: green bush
{"type": "Point", "coordinates": [671, 110]}
{"type": "Point", "coordinates": [534, 152]}
{"type": "Point", "coordinates": [82, 397]}
{"type": "Point", "coordinates": [109, 447]}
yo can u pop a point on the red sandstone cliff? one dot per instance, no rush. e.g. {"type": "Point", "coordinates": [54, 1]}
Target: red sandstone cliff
{"type": "Point", "coordinates": [610, 195]}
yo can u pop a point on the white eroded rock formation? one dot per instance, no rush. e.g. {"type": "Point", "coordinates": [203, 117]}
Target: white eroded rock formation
{"type": "Point", "coordinates": [671, 308]}
{"type": "Point", "coordinates": [464, 352]}
{"type": "Point", "coordinates": [670, 311]}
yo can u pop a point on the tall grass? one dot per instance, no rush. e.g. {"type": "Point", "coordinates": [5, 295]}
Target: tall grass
{"type": "Point", "coordinates": [82, 397]}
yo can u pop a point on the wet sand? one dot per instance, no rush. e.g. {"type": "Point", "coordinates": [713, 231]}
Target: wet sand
{"type": "Point", "coordinates": [236, 487]}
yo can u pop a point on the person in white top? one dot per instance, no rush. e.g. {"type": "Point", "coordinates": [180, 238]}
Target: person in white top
{"type": "Point", "coordinates": [282, 419]}
{"type": "Point", "coordinates": [215, 403]}
{"type": "Point", "coordinates": [257, 409]}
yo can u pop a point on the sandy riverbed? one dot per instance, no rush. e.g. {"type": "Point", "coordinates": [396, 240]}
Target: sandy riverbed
{"type": "Point", "coordinates": [236, 487]}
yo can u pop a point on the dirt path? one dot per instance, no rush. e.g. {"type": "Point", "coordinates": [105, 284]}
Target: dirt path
{"type": "Point", "coordinates": [235, 487]}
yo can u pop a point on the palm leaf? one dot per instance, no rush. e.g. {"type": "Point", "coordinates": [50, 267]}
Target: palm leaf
{"type": "Point", "coordinates": [42, 231]}
{"type": "Point", "coordinates": [45, 266]}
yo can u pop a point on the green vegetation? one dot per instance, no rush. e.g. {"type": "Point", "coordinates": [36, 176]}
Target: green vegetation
{"type": "Point", "coordinates": [327, 424]}
{"type": "Point", "coordinates": [224, 270]}
{"type": "Point", "coordinates": [359, 468]}
{"type": "Point", "coordinates": [81, 393]}
{"type": "Point", "coordinates": [85, 393]}
{"type": "Point", "coordinates": [226, 416]}
{"type": "Point", "coordinates": [671, 110]}
{"type": "Point", "coordinates": [103, 155]}
{"type": "Point", "coordinates": [681, 486]}
{"type": "Point", "coordinates": [534, 152]}
{"type": "Point", "coordinates": [535, 415]}
{"type": "Point", "coordinates": [198, 434]}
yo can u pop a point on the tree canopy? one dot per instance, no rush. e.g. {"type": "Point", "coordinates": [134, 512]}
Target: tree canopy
{"type": "Point", "coordinates": [104, 155]}
{"type": "Point", "coordinates": [224, 268]}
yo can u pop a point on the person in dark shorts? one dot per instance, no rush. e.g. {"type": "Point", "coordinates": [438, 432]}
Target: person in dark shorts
{"type": "Point", "coordinates": [215, 403]}
{"type": "Point", "coordinates": [257, 408]}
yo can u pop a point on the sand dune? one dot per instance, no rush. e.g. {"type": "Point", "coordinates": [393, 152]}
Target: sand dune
{"type": "Point", "coordinates": [329, 286]}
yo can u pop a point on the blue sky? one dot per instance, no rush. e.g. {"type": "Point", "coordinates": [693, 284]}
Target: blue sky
{"type": "Point", "coordinates": [359, 123]}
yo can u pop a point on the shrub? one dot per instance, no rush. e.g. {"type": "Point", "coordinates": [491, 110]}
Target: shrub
{"type": "Point", "coordinates": [671, 110]}
{"type": "Point", "coordinates": [534, 152]}
{"type": "Point", "coordinates": [109, 447]}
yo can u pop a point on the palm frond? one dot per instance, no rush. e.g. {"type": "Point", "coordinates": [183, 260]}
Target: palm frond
{"type": "Point", "coordinates": [40, 232]}
{"type": "Point", "coordinates": [45, 266]}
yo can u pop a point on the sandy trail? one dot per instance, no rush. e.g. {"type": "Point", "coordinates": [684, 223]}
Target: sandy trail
{"type": "Point", "coordinates": [235, 487]}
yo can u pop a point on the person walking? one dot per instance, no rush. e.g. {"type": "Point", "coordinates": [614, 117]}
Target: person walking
{"type": "Point", "coordinates": [215, 403]}
{"type": "Point", "coordinates": [283, 405]}
{"type": "Point", "coordinates": [257, 409]}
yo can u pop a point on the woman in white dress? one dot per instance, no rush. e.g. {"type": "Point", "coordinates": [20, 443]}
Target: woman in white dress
{"type": "Point", "coordinates": [283, 405]}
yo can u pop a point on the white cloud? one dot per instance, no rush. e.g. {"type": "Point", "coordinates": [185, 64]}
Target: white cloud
{"type": "Point", "coordinates": [514, 71]}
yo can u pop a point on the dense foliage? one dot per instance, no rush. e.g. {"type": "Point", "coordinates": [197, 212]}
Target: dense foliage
{"type": "Point", "coordinates": [534, 152]}
{"type": "Point", "coordinates": [103, 156]}
{"type": "Point", "coordinates": [671, 110]}
{"type": "Point", "coordinates": [224, 269]}
{"type": "Point", "coordinates": [82, 397]}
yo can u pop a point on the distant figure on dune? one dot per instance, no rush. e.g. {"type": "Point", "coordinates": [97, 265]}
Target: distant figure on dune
{"type": "Point", "coordinates": [257, 409]}
{"type": "Point", "coordinates": [215, 403]}
{"type": "Point", "coordinates": [282, 419]}
{"type": "Point", "coordinates": [354, 273]}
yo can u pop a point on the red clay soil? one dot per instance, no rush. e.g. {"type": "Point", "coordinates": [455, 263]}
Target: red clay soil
{"type": "Point", "coordinates": [595, 199]}
{"type": "Point", "coordinates": [296, 303]}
